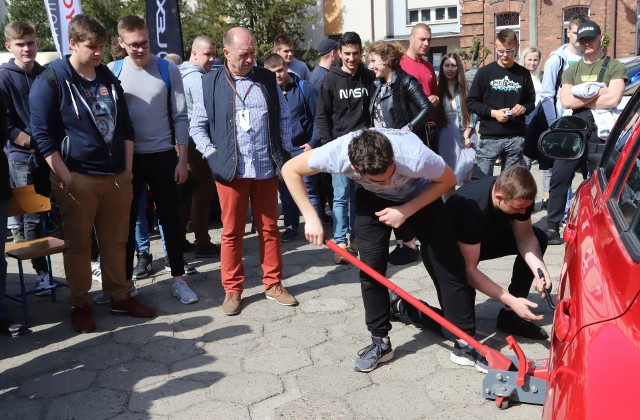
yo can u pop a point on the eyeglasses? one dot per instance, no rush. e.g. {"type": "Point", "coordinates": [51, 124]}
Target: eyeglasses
{"type": "Point", "coordinates": [144, 45]}
{"type": "Point", "coordinates": [505, 52]}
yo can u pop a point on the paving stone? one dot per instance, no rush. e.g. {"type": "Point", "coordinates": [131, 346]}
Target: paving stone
{"type": "Point", "coordinates": [206, 368]}
{"type": "Point", "coordinates": [276, 360]}
{"type": "Point", "coordinates": [95, 403]}
{"type": "Point", "coordinates": [16, 408]}
{"type": "Point", "coordinates": [333, 381]}
{"type": "Point", "coordinates": [213, 410]}
{"type": "Point", "coordinates": [133, 375]}
{"type": "Point", "coordinates": [390, 403]}
{"type": "Point", "coordinates": [315, 407]}
{"type": "Point", "coordinates": [297, 337]}
{"type": "Point", "coordinates": [106, 355]}
{"type": "Point", "coordinates": [234, 334]}
{"type": "Point", "coordinates": [170, 396]}
{"type": "Point", "coordinates": [246, 388]}
{"type": "Point", "coordinates": [58, 383]}
{"type": "Point", "coordinates": [170, 350]}
{"type": "Point", "coordinates": [327, 305]}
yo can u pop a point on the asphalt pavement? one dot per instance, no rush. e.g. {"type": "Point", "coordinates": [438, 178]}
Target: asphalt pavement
{"type": "Point", "coordinates": [269, 362]}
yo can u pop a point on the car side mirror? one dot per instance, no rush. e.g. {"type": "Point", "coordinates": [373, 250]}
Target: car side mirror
{"type": "Point", "coordinates": [569, 122]}
{"type": "Point", "coordinates": [562, 144]}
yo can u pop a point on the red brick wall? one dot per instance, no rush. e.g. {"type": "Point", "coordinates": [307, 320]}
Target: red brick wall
{"type": "Point", "coordinates": [617, 17]}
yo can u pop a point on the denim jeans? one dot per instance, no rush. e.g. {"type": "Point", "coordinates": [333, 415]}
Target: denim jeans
{"type": "Point", "coordinates": [32, 227]}
{"type": "Point", "coordinates": [344, 208]}
{"type": "Point", "coordinates": [488, 150]}
{"type": "Point", "coordinates": [4, 206]}
{"type": "Point", "coordinates": [290, 211]}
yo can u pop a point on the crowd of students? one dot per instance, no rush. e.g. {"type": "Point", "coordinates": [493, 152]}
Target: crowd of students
{"type": "Point", "coordinates": [382, 145]}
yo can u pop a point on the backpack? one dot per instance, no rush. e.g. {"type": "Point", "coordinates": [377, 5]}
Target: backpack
{"type": "Point", "coordinates": [163, 66]}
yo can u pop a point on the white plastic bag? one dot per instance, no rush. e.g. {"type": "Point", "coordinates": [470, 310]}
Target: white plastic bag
{"type": "Point", "coordinates": [464, 165]}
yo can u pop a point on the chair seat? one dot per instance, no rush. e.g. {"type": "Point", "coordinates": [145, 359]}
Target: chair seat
{"type": "Point", "coordinates": [36, 248]}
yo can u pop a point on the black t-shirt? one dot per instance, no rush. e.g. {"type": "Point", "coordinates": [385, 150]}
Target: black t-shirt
{"type": "Point", "coordinates": [473, 214]}
{"type": "Point", "coordinates": [97, 95]}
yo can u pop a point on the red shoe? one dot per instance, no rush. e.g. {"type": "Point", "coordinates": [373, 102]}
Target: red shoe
{"type": "Point", "coordinates": [82, 319]}
{"type": "Point", "coordinates": [132, 307]}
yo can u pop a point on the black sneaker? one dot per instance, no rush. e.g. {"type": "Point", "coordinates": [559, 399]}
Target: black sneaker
{"type": "Point", "coordinates": [377, 352]}
{"type": "Point", "coordinates": [188, 270]}
{"type": "Point", "coordinates": [289, 235]}
{"type": "Point", "coordinates": [554, 238]}
{"type": "Point", "coordinates": [399, 312]}
{"type": "Point", "coordinates": [510, 323]}
{"type": "Point", "coordinates": [143, 268]}
{"type": "Point", "coordinates": [404, 255]}
{"type": "Point", "coordinates": [208, 250]}
{"type": "Point", "coordinates": [468, 356]}
{"type": "Point", "coordinates": [545, 204]}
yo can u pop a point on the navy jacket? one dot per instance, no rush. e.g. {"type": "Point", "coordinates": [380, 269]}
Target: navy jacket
{"type": "Point", "coordinates": [68, 117]}
{"type": "Point", "coordinates": [219, 102]}
{"type": "Point", "coordinates": [302, 110]}
{"type": "Point", "coordinates": [15, 84]}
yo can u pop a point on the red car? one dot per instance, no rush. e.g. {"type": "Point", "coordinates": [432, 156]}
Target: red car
{"type": "Point", "coordinates": [594, 366]}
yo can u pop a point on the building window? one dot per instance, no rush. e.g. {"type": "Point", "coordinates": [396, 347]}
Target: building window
{"type": "Point", "coordinates": [508, 21]}
{"type": "Point", "coordinates": [433, 15]}
{"type": "Point", "coordinates": [568, 14]}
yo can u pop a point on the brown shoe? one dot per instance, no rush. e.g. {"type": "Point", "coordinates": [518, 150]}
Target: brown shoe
{"type": "Point", "coordinates": [231, 304]}
{"type": "Point", "coordinates": [82, 319]}
{"type": "Point", "coordinates": [132, 307]}
{"type": "Point", "coordinates": [278, 293]}
{"type": "Point", "coordinates": [339, 259]}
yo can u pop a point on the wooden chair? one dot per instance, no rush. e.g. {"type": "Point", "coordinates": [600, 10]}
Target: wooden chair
{"type": "Point", "coordinates": [25, 200]}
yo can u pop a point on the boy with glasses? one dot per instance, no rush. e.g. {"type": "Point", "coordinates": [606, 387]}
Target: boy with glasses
{"type": "Point", "coordinates": [501, 94]}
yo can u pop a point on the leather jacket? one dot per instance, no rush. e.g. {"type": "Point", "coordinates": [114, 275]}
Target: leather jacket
{"type": "Point", "coordinates": [405, 103]}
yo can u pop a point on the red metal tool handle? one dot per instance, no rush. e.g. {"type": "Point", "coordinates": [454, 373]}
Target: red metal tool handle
{"type": "Point", "coordinates": [495, 359]}
{"type": "Point", "coordinates": [522, 361]}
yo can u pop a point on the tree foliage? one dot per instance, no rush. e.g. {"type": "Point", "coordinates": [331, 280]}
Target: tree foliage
{"type": "Point", "coordinates": [264, 18]}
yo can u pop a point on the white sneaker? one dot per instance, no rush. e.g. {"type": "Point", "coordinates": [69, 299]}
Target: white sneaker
{"type": "Point", "coordinates": [102, 299]}
{"type": "Point", "coordinates": [181, 290]}
{"type": "Point", "coordinates": [96, 272]}
{"type": "Point", "coordinates": [42, 282]}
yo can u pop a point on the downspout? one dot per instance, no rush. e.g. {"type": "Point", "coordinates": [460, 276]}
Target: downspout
{"type": "Point", "coordinates": [614, 30]}
{"type": "Point", "coordinates": [373, 35]}
{"type": "Point", "coordinates": [533, 23]}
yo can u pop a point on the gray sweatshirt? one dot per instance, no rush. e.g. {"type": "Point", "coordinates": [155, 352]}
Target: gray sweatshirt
{"type": "Point", "coordinates": [192, 80]}
{"type": "Point", "coordinates": [146, 97]}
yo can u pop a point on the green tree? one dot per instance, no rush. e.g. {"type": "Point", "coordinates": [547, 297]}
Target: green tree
{"type": "Point", "coordinates": [34, 12]}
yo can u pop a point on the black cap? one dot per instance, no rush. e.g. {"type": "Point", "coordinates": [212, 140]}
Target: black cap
{"type": "Point", "coordinates": [588, 29]}
{"type": "Point", "coordinates": [326, 46]}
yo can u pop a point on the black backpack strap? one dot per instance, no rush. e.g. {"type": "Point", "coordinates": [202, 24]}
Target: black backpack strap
{"type": "Point", "coordinates": [605, 64]}
{"type": "Point", "coordinates": [558, 80]}
{"type": "Point", "coordinates": [52, 80]}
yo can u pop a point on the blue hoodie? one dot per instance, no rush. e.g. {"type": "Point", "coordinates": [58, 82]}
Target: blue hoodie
{"type": "Point", "coordinates": [15, 84]}
{"type": "Point", "coordinates": [302, 110]}
{"type": "Point", "coordinates": [69, 118]}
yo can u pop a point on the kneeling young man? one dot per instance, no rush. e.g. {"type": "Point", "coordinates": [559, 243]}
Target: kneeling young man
{"type": "Point", "coordinates": [399, 180]}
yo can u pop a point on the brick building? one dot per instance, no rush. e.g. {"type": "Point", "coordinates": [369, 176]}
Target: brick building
{"type": "Point", "coordinates": [546, 20]}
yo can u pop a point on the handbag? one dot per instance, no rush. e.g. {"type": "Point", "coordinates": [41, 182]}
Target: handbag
{"type": "Point", "coordinates": [432, 132]}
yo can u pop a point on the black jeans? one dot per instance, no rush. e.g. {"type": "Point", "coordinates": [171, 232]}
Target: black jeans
{"type": "Point", "coordinates": [157, 170]}
{"type": "Point", "coordinates": [440, 255]}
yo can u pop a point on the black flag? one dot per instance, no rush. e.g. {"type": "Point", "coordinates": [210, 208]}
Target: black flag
{"type": "Point", "coordinates": [165, 32]}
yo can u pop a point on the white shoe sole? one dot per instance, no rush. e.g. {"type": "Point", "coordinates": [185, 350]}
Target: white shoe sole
{"type": "Point", "coordinates": [384, 358]}
{"type": "Point", "coordinates": [463, 361]}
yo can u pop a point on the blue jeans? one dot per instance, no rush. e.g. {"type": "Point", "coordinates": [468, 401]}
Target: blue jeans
{"type": "Point", "coordinates": [4, 206]}
{"type": "Point", "coordinates": [143, 244]}
{"type": "Point", "coordinates": [21, 176]}
{"type": "Point", "coordinates": [344, 208]}
{"type": "Point", "coordinates": [290, 211]}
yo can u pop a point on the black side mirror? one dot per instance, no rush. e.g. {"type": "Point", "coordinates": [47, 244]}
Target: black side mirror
{"type": "Point", "coordinates": [562, 144]}
{"type": "Point", "coordinates": [569, 122]}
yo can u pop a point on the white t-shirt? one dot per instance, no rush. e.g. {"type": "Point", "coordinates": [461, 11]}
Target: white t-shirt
{"type": "Point", "coordinates": [416, 164]}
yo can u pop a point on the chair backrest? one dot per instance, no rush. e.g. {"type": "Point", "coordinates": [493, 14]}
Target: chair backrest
{"type": "Point", "coordinates": [26, 200]}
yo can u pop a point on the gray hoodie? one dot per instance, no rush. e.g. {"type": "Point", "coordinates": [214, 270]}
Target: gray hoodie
{"type": "Point", "coordinates": [192, 81]}
{"type": "Point", "coordinates": [549, 82]}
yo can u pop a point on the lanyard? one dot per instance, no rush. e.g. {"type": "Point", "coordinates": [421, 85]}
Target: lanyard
{"type": "Point", "coordinates": [242, 99]}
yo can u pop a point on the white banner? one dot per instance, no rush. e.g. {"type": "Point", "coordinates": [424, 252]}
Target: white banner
{"type": "Point", "coordinates": [60, 12]}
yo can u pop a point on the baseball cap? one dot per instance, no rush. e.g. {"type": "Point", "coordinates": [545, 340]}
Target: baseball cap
{"type": "Point", "coordinates": [588, 29]}
{"type": "Point", "coordinates": [326, 46]}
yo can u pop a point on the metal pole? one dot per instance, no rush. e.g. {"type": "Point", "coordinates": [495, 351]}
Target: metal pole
{"type": "Point", "coordinates": [533, 23]}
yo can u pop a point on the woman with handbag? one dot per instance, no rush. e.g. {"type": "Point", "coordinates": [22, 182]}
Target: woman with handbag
{"type": "Point", "coordinates": [397, 101]}
{"type": "Point", "coordinates": [457, 125]}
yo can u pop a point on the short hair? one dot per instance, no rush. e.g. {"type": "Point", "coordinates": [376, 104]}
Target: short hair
{"type": "Point", "coordinates": [370, 152]}
{"type": "Point", "coordinates": [420, 26]}
{"type": "Point", "coordinates": [578, 19]}
{"type": "Point", "coordinates": [273, 60]}
{"type": "Point", "coordinates": [130, 23]}
{"type": "Point", "coordinates": [228, 39]}
{"type": "Point", "coordinates": [389, 52]}
{"type": "Point", "coordinates": [200, 39]}
{"type": "Point", "coordinates": [350, 38]}
{"type": "Point", "coordinates": [117, 52]}
{"type": "Point", "coordinates": [507, 36]}
{"type": "Point", "coordinates": [174, 58]}
{"type": "Point", "coordinates": [83, 28]}
{"type": "Point", "coordinates": [18, 30]}
{"type": "Point", "coordinates": [516, 182]}
{"type": "Point", "coordinates": [282, 40]}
